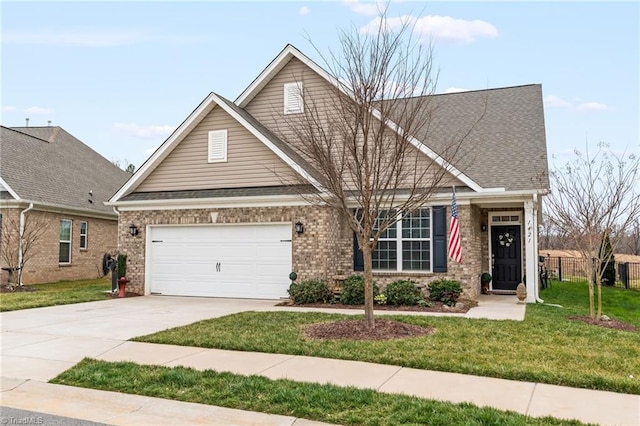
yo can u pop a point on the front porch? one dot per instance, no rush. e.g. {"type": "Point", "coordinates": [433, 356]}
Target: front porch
{"type": "Point", "coordinates": [507, 242]}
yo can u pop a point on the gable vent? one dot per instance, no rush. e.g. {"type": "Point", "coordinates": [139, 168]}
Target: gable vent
{"type": "Point", "coordinates": [293, 101]}
{"type": "Point", "coordinates": [217, 146]}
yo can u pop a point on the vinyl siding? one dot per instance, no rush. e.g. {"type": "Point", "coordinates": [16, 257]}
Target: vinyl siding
{"type": "Point", "coordinates": [268, 108]}
{"type": "Point", "coordinates": [268, 105]}
{"type": "Point", "coordinates": [249, 163]}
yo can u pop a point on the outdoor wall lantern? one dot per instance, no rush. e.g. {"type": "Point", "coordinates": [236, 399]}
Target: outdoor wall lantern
{"type": "Point", "coordinates": [483, 227]}
{"type": "Point", "coordinates": [299, 228]}
{"type": "Point", "coordinates": [133, 230]}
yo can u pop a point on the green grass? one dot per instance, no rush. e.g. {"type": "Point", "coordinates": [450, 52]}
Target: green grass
{"type": "Point", "coordinates": [326, 403]}
{"type": "Point", "coordinates": [60, 293]}
{"type": "Point", "coordinates": [545, 348]}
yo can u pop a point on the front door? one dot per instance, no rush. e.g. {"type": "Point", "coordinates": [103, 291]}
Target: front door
{"type": "Point", "coordinates": [506, 250]}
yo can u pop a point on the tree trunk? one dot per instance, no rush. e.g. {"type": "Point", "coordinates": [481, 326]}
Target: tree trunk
{"type": "Point", "coordinates": [592, 311]}
{"type": "Point", "coordinates": [599, 285]}
{"type": "Point", "coordinates": [367, 253]}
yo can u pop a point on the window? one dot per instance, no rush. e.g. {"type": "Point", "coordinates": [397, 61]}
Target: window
{"type": "Point", "coordinates": [83, 235]}
{"type": "Point", "coordinates": [293, 101]}
{"type": "Point", "coordinates": [405, 245]}
{"type": "Point", "coordinates": [65, 241]}
{"type": "Point", "coordinates": [217, 146]}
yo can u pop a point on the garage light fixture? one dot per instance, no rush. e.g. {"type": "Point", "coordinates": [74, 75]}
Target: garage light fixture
{"type": "Point", "coordinates": [299, 228]}
{"type": "Point", "coordinates": [133, 230]}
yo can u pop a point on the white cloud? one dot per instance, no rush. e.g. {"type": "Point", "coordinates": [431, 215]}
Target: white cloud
{"type": "Point", "coordinates": [143, 132]}
{"type": "Point", "coordinates": [592, 106]}
{"type": "Point", "coordinates": [455, 90]}
{"type": "Point", "coordinates": [304, 10]}
{"type": "Point", "coordinates": [38, 110]}
{"type": "Point", "coordinates": [364, 8]}
{"type": "Point", "coordinates": [437, 27]}
{"type": "Point", "coordinates": [552, 101]}
{"type": "Point", "coordinates": [89, 37]}
{"type": "Point", "coordinates": [9, 108]}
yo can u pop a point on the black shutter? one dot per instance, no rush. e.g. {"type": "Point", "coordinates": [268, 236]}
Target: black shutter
{"type": "Point", "coordinates": [439, 238]}
{"type": "Point", "coordinates": [358, 258]}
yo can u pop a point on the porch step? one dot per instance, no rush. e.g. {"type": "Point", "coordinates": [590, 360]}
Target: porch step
{"type": "Point", "coordinates": [504, 292]}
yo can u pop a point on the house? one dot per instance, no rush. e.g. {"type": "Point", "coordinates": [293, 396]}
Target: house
{"type": "Point", "coordinates": [217, 209]}
{"type": "Point", "coordinates": [52, 183]}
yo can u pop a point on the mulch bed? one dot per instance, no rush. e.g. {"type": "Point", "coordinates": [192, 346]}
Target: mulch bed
{"type": "Point", "coordinates": [357, 330]}
{"type": "Point", "coordinates": [16, 289]}
{"type": "Point", "coordinates": [607, 323]}
{"type": "Point", "coordinates": [115, 295]}
{"type": "Point", "coordinates": [437, 307]}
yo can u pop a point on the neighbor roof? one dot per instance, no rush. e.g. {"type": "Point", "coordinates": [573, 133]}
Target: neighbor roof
{"type": "Point", "coordinates": [48, 165]}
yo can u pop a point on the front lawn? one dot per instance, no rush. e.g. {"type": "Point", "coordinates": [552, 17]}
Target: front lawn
{"type": "Point", "coordinates": [325, 403]}
{"type": "Point", "coordinates": [546, 347]}
{"type": "Point", "coordinates": [60, 293]}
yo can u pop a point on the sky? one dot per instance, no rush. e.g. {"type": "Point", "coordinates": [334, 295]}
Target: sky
{"type": "Point", "coordinates": [121, 76]}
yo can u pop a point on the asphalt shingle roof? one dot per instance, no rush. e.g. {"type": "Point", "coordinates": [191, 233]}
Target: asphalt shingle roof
{"type": "Point", "coordinates": [49, 165]}
{"type": "Point", "coordinates": [220, 193]}
{"type": "Point", "coordinates": [507, 145]}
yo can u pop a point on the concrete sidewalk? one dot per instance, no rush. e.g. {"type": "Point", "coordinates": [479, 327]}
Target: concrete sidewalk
{"type": "Point", "coordinates": [533, 399]}
{"type": "Point", "coordinates": [39, 344]}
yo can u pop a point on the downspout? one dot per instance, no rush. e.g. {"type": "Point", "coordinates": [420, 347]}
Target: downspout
{"type": "Point", "coordinates": [22, 225]}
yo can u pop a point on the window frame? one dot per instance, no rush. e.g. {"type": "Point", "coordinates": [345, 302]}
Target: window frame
{"type": "Point", "coordinates": [61, 241]}
{"type": "Point", "coordinates": [294, 90]}
{"type": "Point", "coordinates": [211, 135]}
{"type": "Point", "coordinates": [84, 234]}
{"type": "Point", "coordinates": [399, 239]}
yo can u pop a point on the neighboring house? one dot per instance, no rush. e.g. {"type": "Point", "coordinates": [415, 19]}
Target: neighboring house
{"type": "Point", "coordinates": [50, 178]}
{"type": "Point", "coordinates": [218, 215]}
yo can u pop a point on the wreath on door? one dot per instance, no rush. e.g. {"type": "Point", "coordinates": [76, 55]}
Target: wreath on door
{"type": "Point", "coordinates": [505, 239]}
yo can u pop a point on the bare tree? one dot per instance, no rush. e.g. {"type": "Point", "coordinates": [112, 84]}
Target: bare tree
{"type": "Point", "coordinates": [591, 197]}
{"type": "Point", "coordinates": [358, 135]}
{"type": "Point", "coordinates": [17, 243]}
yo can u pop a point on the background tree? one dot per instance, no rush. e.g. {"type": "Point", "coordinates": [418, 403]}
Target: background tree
{"type": "Point", "coordinates": [632, 239]}
{"type": "Point", "coordinates": [130, 167]}
{"type": "Point", "coordinates": [592, 196]}
{"type": "Point", "coordinates": [13, 242]}
{"type": "Point", "coordinates": [370, 173]}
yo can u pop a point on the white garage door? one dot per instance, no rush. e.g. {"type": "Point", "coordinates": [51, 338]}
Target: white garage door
{"type": "Point", "coordinates": [244, 261]}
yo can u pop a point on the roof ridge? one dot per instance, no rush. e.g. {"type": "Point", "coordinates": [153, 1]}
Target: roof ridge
{"type": "Point", "coordinates": [15, 129]}
{"type": "Point", "coordinates": [482, 90]}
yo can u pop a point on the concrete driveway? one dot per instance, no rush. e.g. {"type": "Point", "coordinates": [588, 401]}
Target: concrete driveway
{"type": "Point", "coordinates": [38, 344]}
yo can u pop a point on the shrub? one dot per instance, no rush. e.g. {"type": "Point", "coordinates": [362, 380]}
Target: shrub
{"type": "Point", "coordinates": [445, 291]}
{"type": "Point", "coordinates": [310, 291]}
{"type": "Point", "coordinates": [353, 290]}
{"type": "Point", "coordinates": [425, 303]}
{"type": "Point", "coordinates": [380, 299]}
{"type": "Point", "coordinates": [402, 292]}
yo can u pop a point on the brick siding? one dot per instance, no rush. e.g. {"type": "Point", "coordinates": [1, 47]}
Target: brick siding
{"type": "Point", "coordinates": [323, 251]}
{"type": "Point", "coordinates": [43, 267]}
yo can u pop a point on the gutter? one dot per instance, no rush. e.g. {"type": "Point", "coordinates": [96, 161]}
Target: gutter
{"type": "Point", "coordinates": [22, 225]}
{"type": "Point", "coordinates": [57, 208]}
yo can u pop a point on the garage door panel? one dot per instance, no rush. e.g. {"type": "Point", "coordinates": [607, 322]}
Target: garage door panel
{"type": "Point", "coordinates": [251, 261]}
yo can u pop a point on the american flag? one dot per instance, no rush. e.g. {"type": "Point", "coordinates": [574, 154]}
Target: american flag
{"type": "Point", "coordinates": [455, 249]}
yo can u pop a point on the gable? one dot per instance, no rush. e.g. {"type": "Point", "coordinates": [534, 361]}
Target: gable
{"type": "Point", "coordinates": [268, 105]}
{"type": "Point", "coordinates": [249, 162]}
